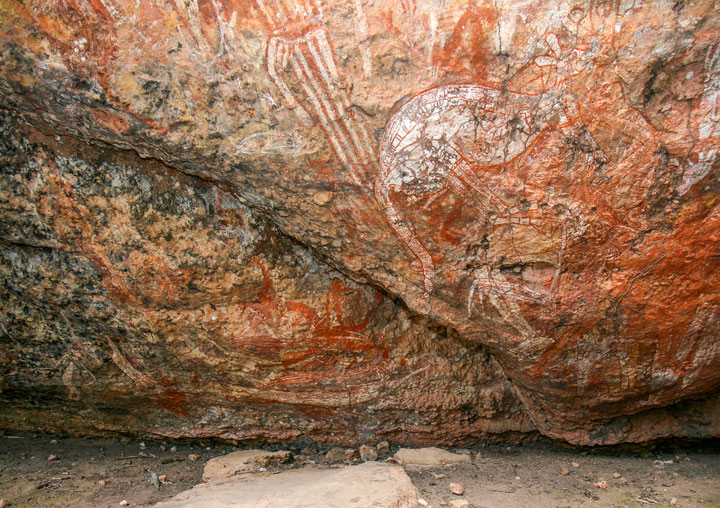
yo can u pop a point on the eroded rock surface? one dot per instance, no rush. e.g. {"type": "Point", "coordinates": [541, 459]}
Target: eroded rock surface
{"type": "Point", "coordinates": [420, 221]}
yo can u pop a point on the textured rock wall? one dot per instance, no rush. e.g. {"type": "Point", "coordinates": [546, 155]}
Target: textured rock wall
{"type": "Point", "coordinates": [429, 221]}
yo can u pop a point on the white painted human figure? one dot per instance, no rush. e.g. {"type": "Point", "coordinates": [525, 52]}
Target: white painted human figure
{"type": "Point", "coordinates": [443, 136]}
{"type": "Point", "coordinates": [300, 60]}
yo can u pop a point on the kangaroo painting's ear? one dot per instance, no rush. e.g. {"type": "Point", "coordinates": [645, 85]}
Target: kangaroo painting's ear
{"type": "Point", "coordinates": [553, 44]}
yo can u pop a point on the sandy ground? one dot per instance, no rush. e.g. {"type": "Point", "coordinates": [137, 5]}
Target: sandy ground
{"type": "Point", "coordinates": [102, 472]}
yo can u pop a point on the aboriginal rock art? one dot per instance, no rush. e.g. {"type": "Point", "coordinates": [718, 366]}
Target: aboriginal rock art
{"type": "Point", "coordinates": [83, 33]}
{"type": "Point", "coordinates": [334, 359]}
{"type": "Point", "coordinates": [445, 136]}
{"type": "Point", "coordinates": [301, 62]}
{"type": "Point", "coordinates": [708, 129]}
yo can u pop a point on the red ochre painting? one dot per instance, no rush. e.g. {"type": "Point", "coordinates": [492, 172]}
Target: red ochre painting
{"type": "Point", "coordinates": [303, 211]}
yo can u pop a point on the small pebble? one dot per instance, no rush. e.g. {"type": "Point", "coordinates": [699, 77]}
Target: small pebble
{"type": "Point", "coordinates": [123, 503]}
{"type": "Point", "coordinates": [52, 457]}
{"type": "Point", "coordinates": [602, 484]}
{"type": "Point", "coordinates": [617, 475]}
{"type": "Point", "coordinates": [575, 464]}
{"type": "Point", "coordinates": [142, 444]}
{"type": "Point", "coordinates": [517, 478]}
{"type": "Point", "coordinates": [101, 482]}
{"type": "Point", "coordinates": [457, 489]}
{"type": "Point", "coordinates": [162, 478]}
{"type": "Point", "coordinates": [53, 441]}
{"type": "Point", "coordinates": [192, 457]}
{"type": "Point", "coordinates": [383, 447]}
{"type": "Point", "coordinates": [2, 503]}
{"type": "Point", "coordinates": [673, 501]}
{"type": "Point", "coordinates": [368, 453]}
{"type": "Point", "coordinates": [173, 448]}
{"type": "Point", "coordinates": [438, 476]}
{"type": "Point", "coordinates": [564, 471]}
{"type": "Point", "coordinates": [422, 501]}
{"type": "Point", "coordinates": [460, 503]}
{"type": "Point", "coordinates": [658, 464]}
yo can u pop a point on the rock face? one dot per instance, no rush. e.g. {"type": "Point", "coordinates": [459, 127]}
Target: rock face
{"type": "Point", "coordinates": [427, 222]}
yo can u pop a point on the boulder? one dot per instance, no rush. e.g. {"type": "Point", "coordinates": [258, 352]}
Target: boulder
{"type": "Point", "coordinates": [243, 461]}
{"type": "Point", "coordinates": [367, 485]}
{"type": "Point", "coordinates": [429, 457]}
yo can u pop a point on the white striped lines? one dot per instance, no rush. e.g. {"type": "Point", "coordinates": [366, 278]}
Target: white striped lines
{"type": "Point", "coordinates": [307, 61]}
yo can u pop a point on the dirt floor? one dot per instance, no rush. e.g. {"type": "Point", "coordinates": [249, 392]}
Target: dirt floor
{"type": "Point", "coordinates": [69, 472]}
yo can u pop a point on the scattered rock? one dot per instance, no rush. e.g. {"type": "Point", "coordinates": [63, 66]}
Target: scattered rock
{"type": "Point", "coordinates": [617, 475]}
{"type": "Point", "coordinates": [383, 447]}
{"type": "Point", "coordinates": [460, 503]}
{"type": "Point", "coordinates": [192, 457]}
{"type": "Point", "coordinates": [173, 448]}
{"type": "Point", "coordinates": [517, 478]}
{"type": "Point", "coordinates": [422, 502]}
{"type": "Point", "coordinates": [438, 476]}
{"type": "Point", "coordinates": [154, 481]}
{"type": "Point", "coordinates": [2, 503]}
{"type": "Point", "coordinates": [575, 464]}
{"type": "Point", "coordinates": [368, 453]}
{"type": "Point", "coordinates": [142, 444]}
{"type": "Point", "coordinates": [52, 457]}
{"type": "Point", "coordinates": [429, 457]}
{"type": "Point", "coordinates": [244, 461]}
{"type": "Point", "coordinates": [335, 454]}
{"type": "Point", "coordinates": [100, 482]}
{"type": "Point", "coordinates": [351, 453]}
{"type": "Point", "coordinates": [602, 484]}
{"type": "Point", "coordinates": [673, 502]}
{"type": "Point", "coordinates": [370, 484]}
{"type": "Point", "coordinates": [658, 464]}
{"type": "Point", "coordinates": [123, 503]}
{"type": "Point", "coordinates": [564, 471]}
{"type": "Point", "coordinates": [457, 489]}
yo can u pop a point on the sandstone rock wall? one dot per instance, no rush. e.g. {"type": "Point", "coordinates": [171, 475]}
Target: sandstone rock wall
{"type": "Point", "coordinates": [347, 220]}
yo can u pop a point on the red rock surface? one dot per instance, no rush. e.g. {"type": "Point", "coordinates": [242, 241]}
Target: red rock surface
{"type": "Point", "coordinates": [424, 221]}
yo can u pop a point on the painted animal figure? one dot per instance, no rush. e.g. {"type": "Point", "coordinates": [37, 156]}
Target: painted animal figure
{"type": "Point", "coordinates": [443, 136]}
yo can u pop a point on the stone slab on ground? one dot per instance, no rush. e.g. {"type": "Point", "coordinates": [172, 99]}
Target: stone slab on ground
{"type": "Point", "coordinates": [371, 484]}
{"type": "Point", "coordinates": [429, 457]}
{"type": "Point", "coordinates": [243, 461]}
